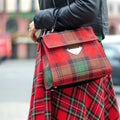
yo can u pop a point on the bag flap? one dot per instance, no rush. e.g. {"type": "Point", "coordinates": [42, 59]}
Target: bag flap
{"type": "Point", "coordinates": [65, 38]}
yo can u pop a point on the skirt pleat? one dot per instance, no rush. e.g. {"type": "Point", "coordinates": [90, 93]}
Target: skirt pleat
{"type": "Point", "coordinates": [95, 100]}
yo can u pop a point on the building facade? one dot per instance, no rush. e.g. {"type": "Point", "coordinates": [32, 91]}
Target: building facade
{"type": "Point", "coordinates": [16, 15]}
{"type": "Point", "coordinates": [114, 16]}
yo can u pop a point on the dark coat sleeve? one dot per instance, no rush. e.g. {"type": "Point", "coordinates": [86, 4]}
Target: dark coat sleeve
{"type": "Point", "coordinates": [71, 16]}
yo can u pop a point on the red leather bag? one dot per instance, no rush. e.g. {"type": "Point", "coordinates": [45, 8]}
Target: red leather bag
{"type": "Point", "coordinates": [73, 56]}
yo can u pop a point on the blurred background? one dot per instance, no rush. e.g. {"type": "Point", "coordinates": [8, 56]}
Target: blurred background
{"type": "Point", "coordinates": [17, 55]}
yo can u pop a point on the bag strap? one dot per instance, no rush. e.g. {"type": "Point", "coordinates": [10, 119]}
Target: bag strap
{"type": "Point", "coordinates": [55, 21]}
{"type": "Point", "coordinates": [45, 31]}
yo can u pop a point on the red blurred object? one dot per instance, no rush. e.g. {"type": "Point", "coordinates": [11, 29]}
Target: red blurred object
{"type": "Point", "coordinates": [5, 46]}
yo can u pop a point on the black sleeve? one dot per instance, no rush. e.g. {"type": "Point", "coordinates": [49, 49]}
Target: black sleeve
{"type": "Point", "coordinates": [71, 16]}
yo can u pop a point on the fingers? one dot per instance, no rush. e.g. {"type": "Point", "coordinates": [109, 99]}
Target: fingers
{"type": "Point", "coordinates": [32, 31]}
{"type": "Point", "coordinates": [31, 26]}
{"type": "Point", "coordinates": [32, 35]}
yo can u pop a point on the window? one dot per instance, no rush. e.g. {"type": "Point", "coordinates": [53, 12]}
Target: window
{"type": "Point", "coordinates": [11, 26]}
{"type": "Point", "coordinates": [111, 8]}
{"type": "Point", "coordinates": [33, 5]}
{"type": "Point", "coordinates": [2, 5]}
{"type": "Point", "coordinates": [119, 8]}
{"type": "Point", "coordinates": [112, 30]}
{"type": "Point", "coordinates": [11, 5]}
{"type": "Point", "coordinates": [25, 5]}
{"type": "Point", "coordinates": [18, 5]}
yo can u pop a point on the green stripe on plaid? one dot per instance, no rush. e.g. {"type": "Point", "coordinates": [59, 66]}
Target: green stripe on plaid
{"type": "Point", "coordinates": [80, 67]}
{"type": "Point", "coordinates": [47, 114]}
{"type": "Point", "coordinates": [112, 102]}
{"type": "Point", "coordinates": [48, 77]}
{"type": "Point", "coordinates": [91, 115]}
{"type": "Point", "coordinates": [34, 113]}
{"type": "Point", "coordinates": [99, 88]}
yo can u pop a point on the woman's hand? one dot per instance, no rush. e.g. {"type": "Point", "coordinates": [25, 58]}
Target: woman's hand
{"type": "Point", "coordinates": [32, 31]}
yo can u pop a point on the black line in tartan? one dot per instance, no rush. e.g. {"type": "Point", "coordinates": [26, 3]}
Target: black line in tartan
{"type": "Point", "coordinates": [91, 114]}
{"type": "Point", "coordinates": [58, 103]}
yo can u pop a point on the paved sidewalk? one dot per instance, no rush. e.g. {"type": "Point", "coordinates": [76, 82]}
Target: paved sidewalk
{"type": "Point", "coordinates": [16, 78]}
{"type": "Point", "coordinates": [117, 89]}
{"type": "Point", "coordinates": [14, 111]}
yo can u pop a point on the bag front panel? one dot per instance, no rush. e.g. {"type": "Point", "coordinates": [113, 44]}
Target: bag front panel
{"type": "Point", "coordinates": [62, 67]}
{"type": "Point", "coordinates": [68, 68]}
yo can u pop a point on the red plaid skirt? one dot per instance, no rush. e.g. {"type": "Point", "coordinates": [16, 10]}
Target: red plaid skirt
{"type": "Point", "coordinates": [90, 101]}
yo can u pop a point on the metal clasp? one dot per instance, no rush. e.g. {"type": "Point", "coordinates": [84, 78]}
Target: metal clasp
{"type": "Point", "coordinates": [75, 50]}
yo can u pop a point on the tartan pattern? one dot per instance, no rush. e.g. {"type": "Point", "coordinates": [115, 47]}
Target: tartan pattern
{"type": "Point", "coordinates": [92, 101]}
{"type": "Point", "coordinates": [62, 67]}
